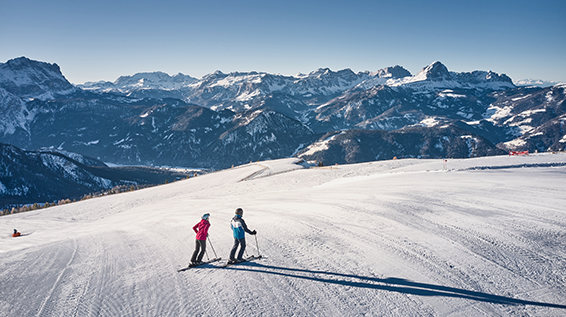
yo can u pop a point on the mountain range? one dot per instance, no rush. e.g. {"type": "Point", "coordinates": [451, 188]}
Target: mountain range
{"type": "Point", "coordinates": [329, 116]}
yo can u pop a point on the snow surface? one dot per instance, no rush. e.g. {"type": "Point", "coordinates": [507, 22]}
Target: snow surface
{"type": "Point", "coordinates": [429, 122]}
{"type": "Point", "coordinates": [450, 94]}
{"type": "Point", "coordinates": [469, 237]}
{"type": "Point", "coordinates": [319, 146]}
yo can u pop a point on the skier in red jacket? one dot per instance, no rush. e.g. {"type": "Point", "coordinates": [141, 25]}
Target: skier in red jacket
{"type": "Point", "coordinates": [16, 233]}
{"type": "Point", "coordinates": [201, 230]}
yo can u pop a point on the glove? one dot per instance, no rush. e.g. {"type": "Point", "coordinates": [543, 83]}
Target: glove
{"type": "Point", "coordinates": [254, 233]}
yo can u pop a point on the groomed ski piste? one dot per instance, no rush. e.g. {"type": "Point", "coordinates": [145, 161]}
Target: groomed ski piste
{"type": "Point", "coordinates": [410, 237]}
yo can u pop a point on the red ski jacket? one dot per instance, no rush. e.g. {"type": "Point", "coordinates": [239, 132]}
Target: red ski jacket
{"type": "Point", "coordinates": [201, 229]}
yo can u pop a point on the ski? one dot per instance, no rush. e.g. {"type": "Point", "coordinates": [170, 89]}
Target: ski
{"type": "Point", "coordinates": [250, 258]}
{"type": "Point", "coordinates": [200, 264]}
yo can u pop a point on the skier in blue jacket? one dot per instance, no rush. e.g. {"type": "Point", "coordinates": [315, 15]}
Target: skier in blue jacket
{"type": "Point", "coordinates": [239, 228]}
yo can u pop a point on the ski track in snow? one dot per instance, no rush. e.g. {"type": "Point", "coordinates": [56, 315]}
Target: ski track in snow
{"type": "Point", "coordinates": [390, 238]}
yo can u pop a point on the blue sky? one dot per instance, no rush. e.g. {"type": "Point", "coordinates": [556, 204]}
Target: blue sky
{"type": "Point", "coordinates": [102, 40]}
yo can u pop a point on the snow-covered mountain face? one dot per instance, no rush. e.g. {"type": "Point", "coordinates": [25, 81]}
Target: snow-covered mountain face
{"type": "Point", "coordinates": [49, 174]}
{"type": "Point", "coordinates": [226, 119]}
{"type": "Point", "coordinates": [15, 117]}
{"type": "Point", "coordinates": [161, 132]}
{"type": "Point", "coordinates": [26, 78]}
{"type": "Point", "coordinates": [423, 142]}
{"type": "Point", "coordinates": [533, 117]}
{"type": "Point", "coordinates": [43, 176]}
{"type": "Point", "coordinates": [21, 80]}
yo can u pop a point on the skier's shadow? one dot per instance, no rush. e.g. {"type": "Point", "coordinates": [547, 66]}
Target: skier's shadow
{"type": "Point", "coordinates": [391, 284]}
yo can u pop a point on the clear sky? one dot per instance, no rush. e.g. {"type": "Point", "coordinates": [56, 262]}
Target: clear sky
{"type": "Point", "coordinates": [102, 40]}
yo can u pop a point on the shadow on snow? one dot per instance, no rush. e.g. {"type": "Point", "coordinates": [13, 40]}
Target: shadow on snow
{"type": "Point", "coordinates": [391, 284]}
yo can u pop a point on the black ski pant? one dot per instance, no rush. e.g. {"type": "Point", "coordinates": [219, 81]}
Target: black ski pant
{"type": "Point", "coordinates": [200, 246]}
{"type": "Point", "coordinates": [242, 244]}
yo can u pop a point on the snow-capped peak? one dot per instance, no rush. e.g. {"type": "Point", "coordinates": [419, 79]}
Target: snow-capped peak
{"type": "Point", "coordinates": [435, 72]}
{"type": "Point", "coordinates": [33, 79]}
{"type": "Point", "coordinates": [319, 72]}
{"type": "Point", "coordinates": [392, 72]}
{"type": "Point", "coordinates": [155, 80]}
{"type": "Point", "coordinates": [140, 81]}
{"type": "Point", "coordinates": [437, 76]}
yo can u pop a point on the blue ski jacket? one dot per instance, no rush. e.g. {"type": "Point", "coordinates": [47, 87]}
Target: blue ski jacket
{"type": "Point", "coordinates": [239, 227]}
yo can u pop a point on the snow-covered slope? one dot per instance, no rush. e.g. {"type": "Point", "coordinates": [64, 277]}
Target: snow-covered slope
{"type": "Point", "coordinates": [15, 115]}
{"type": "Point", "coordinates": [471, 237]}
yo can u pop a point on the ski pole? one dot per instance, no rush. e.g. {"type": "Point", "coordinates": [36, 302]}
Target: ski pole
{"type": "Point", "coordinates": [257, 245]}
{"type": "Point", "coordinates": [215, 256]}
